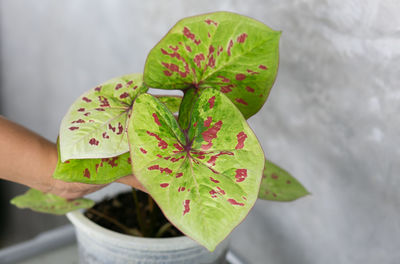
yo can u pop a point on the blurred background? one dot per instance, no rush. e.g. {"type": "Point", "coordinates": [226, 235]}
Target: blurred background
{"type": "Point", "coordinates": [332, 118]}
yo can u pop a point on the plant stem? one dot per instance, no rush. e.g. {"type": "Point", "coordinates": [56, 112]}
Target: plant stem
{"type": "Point", "coordinates": [124, 228]}
{"type": "Point", "coordinates": [163, 229]}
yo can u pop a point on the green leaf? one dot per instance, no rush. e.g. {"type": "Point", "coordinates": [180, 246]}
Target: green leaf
{"type": "Point", "coordinates": [171, 102]}
{"type": "Point", "coordinates": [95, 125]}
{"type": "Point", "coordinates": [205, 180]}
{"type": "Point", "coordinates": [93, 171]}
{"type": "Point", "coordinates": [278, 185]}
{"type": "Point", "coordinates": [235, 54]}
{"type": "Point", "coordinates": [49, 203]}
{"type": "Point", "coordinates": [186, 108]}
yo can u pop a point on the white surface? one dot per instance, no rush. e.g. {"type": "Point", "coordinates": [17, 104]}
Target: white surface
{"type": "Point", "coordinates": [331, 119]}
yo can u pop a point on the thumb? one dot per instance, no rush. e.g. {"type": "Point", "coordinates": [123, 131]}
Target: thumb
{"type": "Point", "coordinates": [132, 181]}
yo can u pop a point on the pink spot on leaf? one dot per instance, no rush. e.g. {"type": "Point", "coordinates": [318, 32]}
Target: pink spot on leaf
{"type": "Point", "coordinates": [81, 110]}
{"type": "Point", "coordinates": [164, 185]}
{"type": "Point", "coordinates": [242, 38]}
{"type": "Point", "coordinates": [241, 137]}
{"type": "Point", "coordinates": [179, 174]}
{"type": "Point", "coordinates": [221, 191]}
{"type": "Point", "coordinates": [79, 121]}
{"type": "Point", "coordinates": [263, 67]}
{"type": "Point", "coordinates": [252, 72]}
{"type": "Point", "coordinates": [198, 59]}
{"type": "Point", "coordinates": [220, 50]}
{"type": "Point", "coordinates": [154, 167]}
{"type": "Point", "coordinates": [224, 79]}
{"type": "Point", "coordinates": [87, 100]}
{"type": "Point", "coordinates": [120, 129]}
{"type": "Point", "coordinates": [240, 77]}
{"type": "Point", "coordinates": [105, 136]}
{"type": "Point", "coordinates": [143, 150]}
{"type": "Point", "coordinates": [234, 202]}
{"type": "Point", "coordinates": [214, 180]}
{"type": "Point", "coordinates": [179, 57]}
{"type": "Point", "coordinates": [167, 73]}
{"type": "Point", "coordinates": [227, 88]}
{"type": "Point", "coordinates": [73, 128]}
{"type": "Point", "coordinates": [174, 48]}
{"type": "Point", "coordinates": [274, 176]}
{"type": "Point", "coordinates": [211, 101]}
{"type": "Point", "coordinates": [209, 22]}
{"type": "Point", "coordinates": [249, 89]}
{"type": "Point", "coordinates": [177, 159]}
{"type": "Point", "coordinates": [207, 122]}
{"type": "Point", "coordinates": [211, 61]}
{"type": "Point", "coordinates": [103, 101]}
{"type": "Point", "coordinates": [241, 101]}
{"type": "Point", "coordinates": [186, 206]}
{"type": "Point", "coordinates": [187, 33]}
{"type": "Point", "coordinates": [111, 127]}
{"type": "Point", "coordinates": [230, 45]}
{"type": "Point", "coordinates": [118, 86]}
{"type": "Point", "coordinates": [211, 134]}
{"type": "Point", "coordinates": [241, 175]}
{"type": "Point", "coordinates": [213, 158]}
{"type": "Point", "coordinates": [188, 48]}
{"type": "Point", "coordinates": [86, 173]}
{"type": "Point", "coordinates": [156, 120]}
{"type": "Point", "coordinates": [97, 89]}
{"type": "Point", "coordinates": [93, 142]}
{"type": "Point", "coordinates": [214, 171]}
{"type": "Point", "coordinates": [124, 95]}
{"type": "Point", "coordinates": [161, 143]}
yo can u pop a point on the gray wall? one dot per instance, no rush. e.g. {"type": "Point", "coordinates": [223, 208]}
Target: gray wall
{"type": "Point", "coordinates": [331, 119]}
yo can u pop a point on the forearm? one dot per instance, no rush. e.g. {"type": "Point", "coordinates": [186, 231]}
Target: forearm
{"type": "Point", "coordinates": [26, 157]}
{"type": "Point", "coordinates": [29, 159]}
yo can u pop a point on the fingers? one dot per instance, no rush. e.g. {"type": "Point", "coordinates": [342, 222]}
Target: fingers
{"type": "Point", "coordinates": [132, 181]}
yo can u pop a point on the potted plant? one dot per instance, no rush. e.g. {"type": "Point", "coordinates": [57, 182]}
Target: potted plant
{"type": "Point", "coordinates": [204, 167]}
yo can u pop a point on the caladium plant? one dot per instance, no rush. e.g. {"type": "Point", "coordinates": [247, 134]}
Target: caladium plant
{"type": "Point", "coordinates": [204, 166]}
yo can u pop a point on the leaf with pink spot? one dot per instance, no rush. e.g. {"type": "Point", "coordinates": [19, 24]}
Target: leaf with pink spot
{"type": "Point", "coordinates": [95, 125]}
{"type": "Point", "coordinates": [197, 186]}
{"type": "Point", "coordinates": [93, 171]}
{"type": "Point", "coordinates": [279, 185]}
{"type": "Point", "coordinates": [235, 54]}
{"type": "Point", "coordinates": [49, 203]}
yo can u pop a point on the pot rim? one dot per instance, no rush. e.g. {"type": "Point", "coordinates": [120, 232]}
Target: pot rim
{"type": "Point", "coordinates": [97, 232]}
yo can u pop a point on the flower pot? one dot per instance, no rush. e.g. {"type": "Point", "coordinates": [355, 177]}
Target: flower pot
{"type": "Point", "coordinates": [99, 245]}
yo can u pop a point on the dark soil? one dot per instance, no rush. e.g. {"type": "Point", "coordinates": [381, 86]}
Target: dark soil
{"type": "Point", "coordinates": [120, 214]}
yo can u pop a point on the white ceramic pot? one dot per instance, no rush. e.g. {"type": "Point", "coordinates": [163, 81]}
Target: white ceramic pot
{"type": "Point", "coordinates": [99, 245]}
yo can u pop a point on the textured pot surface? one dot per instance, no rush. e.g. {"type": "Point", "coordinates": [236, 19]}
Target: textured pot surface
{"type": "Point", "coordinates": [99, 245]}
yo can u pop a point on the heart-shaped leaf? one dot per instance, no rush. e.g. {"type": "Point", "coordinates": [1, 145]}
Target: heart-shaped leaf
{"type": "Point", "coordinates": [93, 171]}
{"type": "Point", "coordinates": [49, 203]}
{"type": "Point", "coordinates": [95, 125]}
{"type": "Point", "coordinates": [205, 179]}
{"type": "Point", "coordinates": [278, 185]}
{"type": "Point", "coordinates": [235, 54]}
